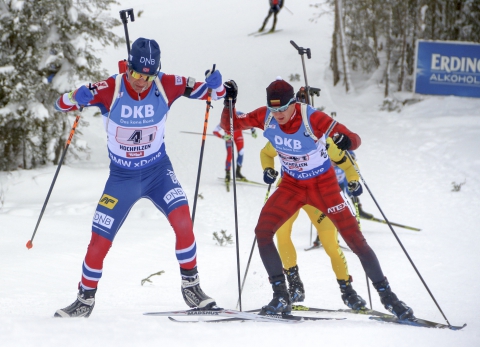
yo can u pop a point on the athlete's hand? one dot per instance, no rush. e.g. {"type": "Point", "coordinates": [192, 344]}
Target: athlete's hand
{"type": "Point", "coordinates": [213, 79]}
{"type": "Point", "coordinates": [254, 133]}
{"type": "Point", "coordinates": [231, 89]}
{"type": "Point", "coordinates": [269, 175]}
{"type": "Point", "coordinates": [355, 188]}
{"type": "Point", "coordinates": [83, 95]}
{"type": "Point", "coordinates": [342, 141]}
{"type": "Point", "coordinates": [227, 137]}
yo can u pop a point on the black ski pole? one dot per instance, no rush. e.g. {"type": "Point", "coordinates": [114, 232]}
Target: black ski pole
{"type": "Point", "coordinates": [396, 236]}
{"type": "Point", "coordinates": [251, 251]}
{"type": "Point", "coordinates": [204, 135]}
{"type": "Point", "coordinates": [72, 131]}
{"type": "Point", "coordinates": [230, 109]}
{"type": "Point", "coordinates": [124, 14]}
{"type": "Point", "coordinates": [303, 51]}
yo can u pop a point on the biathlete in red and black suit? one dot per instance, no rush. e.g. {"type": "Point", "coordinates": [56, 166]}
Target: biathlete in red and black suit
{"type": "Point", "coordinates": [297, 132]}
{"type": "Point", "coordinates": [134, 106]}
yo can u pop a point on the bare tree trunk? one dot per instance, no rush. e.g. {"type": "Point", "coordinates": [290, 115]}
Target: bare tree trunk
{"type": "Point", "coordinates": [334, 52]}
{"type": "Point", "coordinates": [373, 24]}
{"type": "Point", "coordinates": [403, 62]}
{"type": "Point", "coordinates": [341, 36]}
{"type": "Point", "coordinates": [389, 52]}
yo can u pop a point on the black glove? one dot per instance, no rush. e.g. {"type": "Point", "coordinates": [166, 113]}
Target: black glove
{"type": "Point", "coordinates": [231, 91]}
{"type": "Point", "coordinates": [355, 188]}
{"type": "Point", "coordinates": [269, 175]}
{"type": "Point", "coordinates": [342, 141]}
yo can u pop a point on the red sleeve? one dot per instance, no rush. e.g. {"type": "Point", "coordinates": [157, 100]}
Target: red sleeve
{"type": "Point", "coordinates": [254, 119]}
{"type": "Point", "coordinates": [174, 87]}
{"type": "Point", "coordinates": [102, 98]}
{"type": "Point", "coordinates": [321, 122]}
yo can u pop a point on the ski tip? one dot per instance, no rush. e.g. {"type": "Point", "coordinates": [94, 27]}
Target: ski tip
{"type": "Point", "coordinates": [453, 327]}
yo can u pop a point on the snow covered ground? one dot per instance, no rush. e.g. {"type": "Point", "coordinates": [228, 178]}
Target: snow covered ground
{"type": "Point", "coordinates": [408, 160]}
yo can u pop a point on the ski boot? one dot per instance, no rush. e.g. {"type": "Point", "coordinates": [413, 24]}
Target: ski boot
{"type": "Point", "coordinates": [239, 175]}
{"type": "Point", "coordinates": [362, 213]}
{"type": "Point", "coordinates": [82, 307]}
{"type": "Point", "coordinates": [227, 176]}
{"type": "Point", "coordinates": [191, 291]}
{"type": "Point", "coordinates": [350, 296]}
{"type": "Point", "coordinates": [281, 303]}
{"type": "Point", "coordinates": [295, 285]}
{"type": "Point", "coordinates": [391, 302]}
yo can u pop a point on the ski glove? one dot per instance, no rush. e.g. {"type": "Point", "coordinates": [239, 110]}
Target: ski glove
{"type": "Point", "coordinates": [355, 188]}
{"type": "Point", "coordinates": [231, 91]}
{"type": "Point", "coordinates": [342, 141]}
{"type": "Point", "coordinates": [83, 95]}
{"type": "Point", "coordinates": [254, 133]}
{"type": "Point", "coordinates": [269, 175]}
{"type": "Point", "coordinates": [227, 137]}
{"type": "Point", "coordinates": [213, 79]}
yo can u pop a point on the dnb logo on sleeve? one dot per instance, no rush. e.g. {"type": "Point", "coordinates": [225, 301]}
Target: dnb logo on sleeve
{"type": "Point", "coordinates": [108, 201]}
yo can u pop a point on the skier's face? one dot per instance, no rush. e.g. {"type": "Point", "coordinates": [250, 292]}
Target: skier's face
{"type": "Point", "coordinates": [284, 116]}
{"type": "Point", "coordinates": [139, 82]}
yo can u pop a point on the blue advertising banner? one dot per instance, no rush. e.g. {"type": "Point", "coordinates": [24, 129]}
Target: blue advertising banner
{"type": "Point", "coordinates": [447, 68]}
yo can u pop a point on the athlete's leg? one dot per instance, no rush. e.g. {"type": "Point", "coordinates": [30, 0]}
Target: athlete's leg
{"type": "Point", "coordinates": [185, 246]}
{"type": "Point", "coordinates": [266, 20]}
{"type": "Point", "coordinates": [93, 263]}
{"type": "Point", "coordinates": [228, 161]}
{"type": "Point", "coordinates": [286, 249]}
{"type": "Point", "coordinates": [122, 190]}
{"type": "Point", "coordinates": [340, 212]}
{"type": "Point", "coordinates": [283, 203]}
{"type": "Point", "coordinates": [274, 21]}
{"type": "Point", "coordinates": [166, 192]}
{"type": "Point", "coordinates": [328, 236]}
{"type": "Point", "coordinates": [239, 143]}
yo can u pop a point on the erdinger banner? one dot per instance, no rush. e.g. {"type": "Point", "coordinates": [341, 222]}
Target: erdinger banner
{"type": "Point", "coordinates": [447, 68]}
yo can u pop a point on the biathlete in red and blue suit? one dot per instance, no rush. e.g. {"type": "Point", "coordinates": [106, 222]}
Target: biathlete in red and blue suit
{"type": "Point", "coordinates": [134, 106]}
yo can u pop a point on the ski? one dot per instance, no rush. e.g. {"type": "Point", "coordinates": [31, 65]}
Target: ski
{"type": "Point", "coordinates": [245, 181]}
{"type": "Point", "coordinates": [257, 318]}
{"type": "Point", "coordinates": [266, 33]}
{"type": "Point", "coordinates": [373, 219]}
{"type": "Point", "coordinates": [361, 312]}
{"type": "Point", "coordinates": [303, 308]}
{"type": "Point", "coordinates": [418, 322]}
{"type": "Point", "coordinates": [239, 315]}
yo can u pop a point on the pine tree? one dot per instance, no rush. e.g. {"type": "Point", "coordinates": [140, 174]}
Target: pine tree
{"type": "Point", "coordinates": [46, 48]}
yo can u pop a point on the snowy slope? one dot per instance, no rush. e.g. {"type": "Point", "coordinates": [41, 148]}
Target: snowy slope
{"type": "Point", "coordinates": [408, 160]}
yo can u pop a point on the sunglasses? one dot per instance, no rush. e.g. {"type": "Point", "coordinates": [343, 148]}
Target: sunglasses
{"type": "Point", "coordinates": [138, 76]}
{"type": "Point", "coordinates": [281, 108]}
